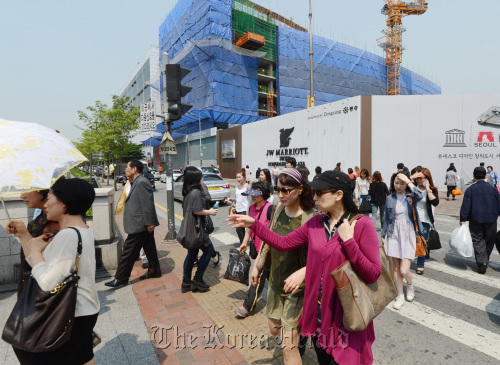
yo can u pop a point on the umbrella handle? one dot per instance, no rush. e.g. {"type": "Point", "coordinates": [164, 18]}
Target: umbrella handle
{"type": "Point", "coordinates": [6, 211]}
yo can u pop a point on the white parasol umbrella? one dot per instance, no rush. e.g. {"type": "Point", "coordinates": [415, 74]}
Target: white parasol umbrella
{"type": "Point", "coordinates": [33, 157]}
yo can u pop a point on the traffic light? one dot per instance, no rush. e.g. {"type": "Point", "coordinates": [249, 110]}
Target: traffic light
{"type": "Point", "coordinates": [174, 91]}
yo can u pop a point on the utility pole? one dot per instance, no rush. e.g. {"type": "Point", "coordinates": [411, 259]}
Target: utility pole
{"type": "Point", "coordinates": [310, 96]}
{"type": "Point", "coordinates": [171, 234]}
{"type": "Point", "coordinates": [201, 152]}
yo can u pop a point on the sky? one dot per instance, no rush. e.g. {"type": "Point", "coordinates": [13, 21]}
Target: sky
{"type": "Point", "coordinates": [58, 57]}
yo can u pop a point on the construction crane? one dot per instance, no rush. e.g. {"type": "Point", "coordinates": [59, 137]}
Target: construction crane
{"type": "Point", "coordinates": [392, 43]}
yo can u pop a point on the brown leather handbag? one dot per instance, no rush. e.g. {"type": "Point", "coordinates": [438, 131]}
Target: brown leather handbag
{"type": "Point", "coordinates": [41, 321]}
{"type": "Point", "coordinates": [421, 249]}
{"type": "Point", "coordinates": [361, 301]}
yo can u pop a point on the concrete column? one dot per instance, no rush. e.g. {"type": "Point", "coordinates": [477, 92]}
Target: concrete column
{"type": "Point", "coordinates": [103, 222]}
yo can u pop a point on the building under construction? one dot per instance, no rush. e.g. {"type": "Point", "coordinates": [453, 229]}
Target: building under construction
{"type": "Point", "coordinates": [249, 63]}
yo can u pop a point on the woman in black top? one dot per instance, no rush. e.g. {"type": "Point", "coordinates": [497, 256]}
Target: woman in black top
{"type": "Point", "coordinates": [378, 192]}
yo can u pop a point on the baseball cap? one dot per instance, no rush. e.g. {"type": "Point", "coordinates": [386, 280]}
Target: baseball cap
{"type": "Point", "coordinates": [332, 179]}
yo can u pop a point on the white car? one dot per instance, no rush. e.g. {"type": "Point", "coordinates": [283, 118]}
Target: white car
{"type": "Point", "coordinates": [156, 174]}
{"type": "Point", "coordinates": [177, 173]}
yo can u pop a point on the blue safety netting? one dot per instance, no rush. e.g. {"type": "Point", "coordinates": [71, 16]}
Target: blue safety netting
{"type": "Point", "coordinates": [340, 71]}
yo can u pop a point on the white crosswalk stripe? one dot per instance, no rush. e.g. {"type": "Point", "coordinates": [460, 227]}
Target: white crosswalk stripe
{"type": "Point", "coordinates": [225, 237]}
{"type": "Point", "coordinates": [463, 274]}
{"type": "Point", "coordinates": [455, 328]}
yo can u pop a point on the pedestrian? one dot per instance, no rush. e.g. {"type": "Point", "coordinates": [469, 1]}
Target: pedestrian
{"type": "Point", "coordinates": [481, 208]}
{"type": "Point", "coordinates": [193, 198]}
{"type": "Point", "coordinates": [242, 201]}
{"type": "Point", "coordinates": [331, 240]}
{"type": "Point", "coordinates": [362, 186]}
{"type": "Point", "coordinates": [338, 168]}
{"type": "Point", "coordinates": [247, 174]}
{"type": "Point", "coordinates": [208, 201]}
{"type": "Point", "coordinates": [290, 162]}
{"type": "Point", "coordinates": [425, 209]}
{"type": "Point", "coordinates": [139, 222]}
{"type": "Point", "coordinates": [378, 193]}
{"type": "Point", "coordinates": [37, 227]}
{"type": "Point", "coordinates": [400, 167]}
{"type": "Point", "coordinates": [493, 175]}
{"type": "Point", "coordinates": [261, 210]}
{"type": "Point", "coordinates": [304, 171]}
{"type": "Point", "coordinates": [274, 175]}
{"type": "Point", "coordinates": [451, 181]}
{"type": "Point", "coordinates": [287, 272]}
{"type": "Point", "coordinates": [53, 261]}
{"type": "Point", "coordinates": [318, 171]}
{"type": "Point", "coordinates": [399, 233]}
{"type": "Point", "coordinates": [357, 172]}
{"type": "Point", "coordinates": [265, 176]}
{"type": "Point", "coordinates": [257, 174]}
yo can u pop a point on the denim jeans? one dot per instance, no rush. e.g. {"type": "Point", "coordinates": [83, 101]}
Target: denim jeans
{"type": "Point", "coordinates": [191, 257]}
{"type": "Point", "coordinates": [376, 207]}
{"type": "Point", "coordinates": [363, 197]}
{"type": "Point", "coordinates": [425, 233]}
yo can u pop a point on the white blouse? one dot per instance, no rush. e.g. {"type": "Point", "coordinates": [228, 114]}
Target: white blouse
{"type": "Point", "coordinates": [60, 255]}
{"type": "Point", "coordinates": [242, 201]}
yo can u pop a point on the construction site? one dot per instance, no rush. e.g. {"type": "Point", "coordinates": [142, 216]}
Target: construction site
{"type": "Point", "coordinates": [249, 63]}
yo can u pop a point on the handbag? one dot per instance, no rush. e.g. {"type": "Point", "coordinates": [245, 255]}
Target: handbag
{"type": "Point", "coordinates": [191, 233]}
{"type": "Point", "coordinates": [232, 208]}
{"type": "Point", "coordinates": [433, 243]}
{"type": "Point", "coordinates": [366, 206]}
{"type": "Point", "coordinates": [209, 225]}
{"type": "Point", "coordinates": [238, 267]}
{"type": "Point", "coordinates": [421, 249]}
{"type": "Point", "coordinates": [456, 192]}
{"type": "Point", "coordinates": [41, 321]}
{"type": "Point", "coordinates": [361, 301]}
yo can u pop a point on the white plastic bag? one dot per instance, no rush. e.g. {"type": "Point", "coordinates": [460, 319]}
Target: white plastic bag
{"type": "Point", "coordinates": [461, 241]}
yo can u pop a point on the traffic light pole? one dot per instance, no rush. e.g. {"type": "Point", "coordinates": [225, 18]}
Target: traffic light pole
{"type": "Point", "coordinates": [171, 233]}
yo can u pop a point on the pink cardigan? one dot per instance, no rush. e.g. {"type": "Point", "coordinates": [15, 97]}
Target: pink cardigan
{"type": "Point", "coordinates": [324, 257]}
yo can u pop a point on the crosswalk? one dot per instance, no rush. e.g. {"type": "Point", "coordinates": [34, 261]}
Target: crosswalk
{"type": "Point", "coordinates": [458, 308]}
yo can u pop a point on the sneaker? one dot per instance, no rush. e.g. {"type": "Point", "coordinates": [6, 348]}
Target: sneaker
{"type": "Point", "coordinates": [399, 302]}
{"type": "Point", "coordinates": [199, 285]}
{"type": "Point", "coordinates": [410, 293]}
{"type": "Point", "coordinates": [186, 286]}
{"type": "Point", "coordinates": [481, 268]}
{"type": "Point", "coordinates": [241, 312]}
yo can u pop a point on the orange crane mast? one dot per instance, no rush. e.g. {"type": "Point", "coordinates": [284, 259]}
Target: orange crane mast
{"type": "Point", "coordinates": [392, 43]}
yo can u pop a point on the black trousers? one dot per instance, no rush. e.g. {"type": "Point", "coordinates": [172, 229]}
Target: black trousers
{"type": "Point", "coordinates": [483, 239]}
{"type": "Point", "coordinates": [255, 291]}
{"type": "Point", "coordinates": [131, 248]}
{"type": "Point", "coordinates": [449, 191]}
{"type": "Point", "coordinates": [241, 231]}
{"type": "Point", "coordinates": [323, 357]}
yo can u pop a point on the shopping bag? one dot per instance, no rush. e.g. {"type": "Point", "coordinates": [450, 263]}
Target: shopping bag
{"type": "Point", "coordinates": [433, 243]}
{"type": "Point", "coordinates": [461, 241]}
{"type": "Point", "coordinates": [238, 267]}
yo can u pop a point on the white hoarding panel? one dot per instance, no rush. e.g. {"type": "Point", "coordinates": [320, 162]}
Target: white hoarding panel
{"type": "Point", "coordinates": [319, 136]}
{"type": "Point", "coordinates": [434, 131]}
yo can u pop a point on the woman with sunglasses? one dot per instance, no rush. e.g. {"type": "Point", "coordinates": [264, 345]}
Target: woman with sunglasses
{"type": "Point", "coordinates": [287, 271]}
{"type": "Point", "coordinates": [331, 239]}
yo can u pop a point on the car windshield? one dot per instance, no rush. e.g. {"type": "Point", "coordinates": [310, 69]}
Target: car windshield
{"type": "Point", "coordinates": [211, 178]}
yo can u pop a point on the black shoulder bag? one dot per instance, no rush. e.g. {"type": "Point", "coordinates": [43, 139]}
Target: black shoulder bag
{"type": "Point", "coordinates": [251, 243]}
{"type": "Point", "coordinates": [191, 233]}
{"type": "Point", "coordinates": [41, 321]}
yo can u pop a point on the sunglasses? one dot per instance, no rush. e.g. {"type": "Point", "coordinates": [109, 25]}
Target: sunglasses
{"type": "Point", "coordinates": [318, 193]}
{"type": "Point", "coordinates": [285, 191]}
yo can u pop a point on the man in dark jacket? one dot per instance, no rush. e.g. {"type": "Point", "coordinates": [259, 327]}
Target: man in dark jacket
{"type": "Point", "coordinates": [481, 207]}
{"type": "Point", "coordinates": [139, 222]}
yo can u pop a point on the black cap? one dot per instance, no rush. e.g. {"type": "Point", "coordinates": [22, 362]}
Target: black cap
{"type": "Point", "coordinates": [332, 179]}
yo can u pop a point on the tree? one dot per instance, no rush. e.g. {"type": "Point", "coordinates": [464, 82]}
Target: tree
{"type": "Point", "coordinates": [132, 151]}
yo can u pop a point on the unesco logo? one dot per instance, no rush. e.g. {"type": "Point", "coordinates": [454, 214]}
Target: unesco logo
{"type": "Point", "coordinates": [455, 138]}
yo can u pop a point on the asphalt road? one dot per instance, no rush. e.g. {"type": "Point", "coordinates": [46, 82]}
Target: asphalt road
{"type": "Point", "coordinates": [455, 317]}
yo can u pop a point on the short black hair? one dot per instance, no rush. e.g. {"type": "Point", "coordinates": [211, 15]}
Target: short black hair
{"type": "Point", "coordinates": [490, 167]}
{"type": "Point", "coordinates": [349, 170]}
{"type": "Point", "coordinates": [77, 194]}
{"type": "Point", "coordinates": [137, 164]}
{"type": "Point", "coordinates": [479, 173]}
{"type": "Point", "coordinates": [318, 170]}
{"type": "Point", "coordinates": [292, 161]}
{"type": "Point", "coordinates": [400, 166]}
{"type": "Point", "coordinates": [481, 164]}
{"type": "Point", "coordinates": [262, 186]}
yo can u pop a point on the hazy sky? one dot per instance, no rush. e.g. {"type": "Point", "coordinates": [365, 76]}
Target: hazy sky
{"type": "Point", "coordinates": [57, 57]}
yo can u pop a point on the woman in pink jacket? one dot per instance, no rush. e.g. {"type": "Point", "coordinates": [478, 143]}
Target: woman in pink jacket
{"type": "Point", "coordinates": [331, 241]}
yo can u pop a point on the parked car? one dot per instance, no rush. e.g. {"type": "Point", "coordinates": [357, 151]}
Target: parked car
{"type": "Point", "coordinates": [163, 177]}
{"type": "Point", "coordinates": [212, 170]}
{"type": "Point", "coordinates": [156, 174]}
{"type": "Point", "coordinates": [217, 187]}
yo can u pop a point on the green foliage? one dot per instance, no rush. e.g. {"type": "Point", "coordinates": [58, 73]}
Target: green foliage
{"type": "Point", "coordinates": [132, 152]}
{"type": "Point", "coordinates": [107, 129]}
{"type": "Point", "coordinates": [77, 173]}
